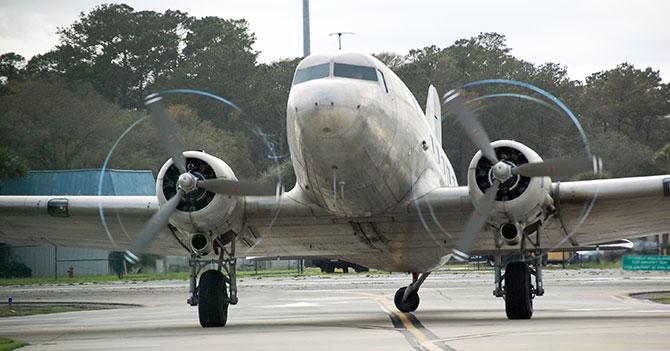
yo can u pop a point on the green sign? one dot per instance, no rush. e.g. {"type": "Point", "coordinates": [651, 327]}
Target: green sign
{"type": "Point", "coordinates": [646, 263]}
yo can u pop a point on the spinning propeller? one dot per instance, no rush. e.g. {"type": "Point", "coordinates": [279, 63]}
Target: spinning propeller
{"type": "Point", "coordinates": [503, 171]}
{"type": "Point", "coordinates": [187, 181]}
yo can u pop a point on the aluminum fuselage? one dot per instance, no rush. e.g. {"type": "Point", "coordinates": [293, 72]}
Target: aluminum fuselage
{"type": "Point", "coordinates": [361, 148]}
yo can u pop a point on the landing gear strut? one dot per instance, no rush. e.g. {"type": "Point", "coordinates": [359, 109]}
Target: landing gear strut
{"type": "Point", "coordinates": [217, 288]}
{"type": "Point", "coordinates": [406, 299]}
{"type": "Point", "coordinates": [518, 290]}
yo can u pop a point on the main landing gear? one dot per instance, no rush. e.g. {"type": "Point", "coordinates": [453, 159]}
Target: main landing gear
{"type": "Point", "coordinates": [518, 290]}
{"type": "Point", "coordinates": [515, 285]}
{"type": "Point", "coordinates": [217, 288]}
{"type": "Point", "coordinates": [406, 299]}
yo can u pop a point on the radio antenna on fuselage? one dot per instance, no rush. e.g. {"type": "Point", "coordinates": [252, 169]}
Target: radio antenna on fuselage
{"type": "Point", "coordinates": [339, 37]}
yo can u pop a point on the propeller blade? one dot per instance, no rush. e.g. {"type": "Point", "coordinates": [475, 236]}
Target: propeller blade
{"type": "Point", "coordinates": [476, 222]}
{"type": "Point", "coordinates": [559, 167]}
{"type": "Point", "coordinates": [236, 187]}
{"type": "Point", "coordinates": [152, 227]}
{"type": "Point", "coordinates": [473, 129]}
{"type": "Point", "coordinates": [167, 130]}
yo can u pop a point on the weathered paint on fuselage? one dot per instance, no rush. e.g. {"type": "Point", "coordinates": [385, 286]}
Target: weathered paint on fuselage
{"type": "Point", "coordinates": [357, 146]}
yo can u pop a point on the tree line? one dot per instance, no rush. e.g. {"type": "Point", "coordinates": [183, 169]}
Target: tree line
{"type": "Point", "coordinates": [66, 108]}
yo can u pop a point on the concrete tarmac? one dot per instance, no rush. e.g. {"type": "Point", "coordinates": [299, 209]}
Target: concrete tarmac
{"type": "Point", "coordinates": [585, 309]}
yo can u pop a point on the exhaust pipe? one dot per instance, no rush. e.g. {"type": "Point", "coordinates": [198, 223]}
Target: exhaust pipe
{"type": "Point", "coordinates": [201, 244]}
{"type": "Point", "coordinates": [511, 233]}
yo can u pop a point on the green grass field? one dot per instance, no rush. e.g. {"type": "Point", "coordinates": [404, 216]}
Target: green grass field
{"type": "Point", "coordinates": [101, 279]}
{"type": "Point", "coordinates": [603, 264]}
{"type": "Point", "coordinates": [247, 274]}
{"type": "Point", "coordinates": [9, 344]}
{"type": "Point", "coordinates": [662, 299]}
{"type": "Point", "coordinates": [91, 279]}
{"type": "Point", "coordinates": [483, 266]}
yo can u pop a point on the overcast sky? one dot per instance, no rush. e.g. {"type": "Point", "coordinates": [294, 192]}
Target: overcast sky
{"type": "Point", "coordinates": [587, 36]}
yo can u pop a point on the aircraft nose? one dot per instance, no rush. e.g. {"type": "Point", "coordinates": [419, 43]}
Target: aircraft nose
{"type": "Point", "coordinates": [328, 113]}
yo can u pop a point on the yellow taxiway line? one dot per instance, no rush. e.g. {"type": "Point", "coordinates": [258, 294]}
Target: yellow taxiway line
{"type": "Point", "coordinates": [420, 337]}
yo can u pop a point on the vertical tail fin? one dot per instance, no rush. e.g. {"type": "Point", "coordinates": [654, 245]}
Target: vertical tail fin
{"type": "Point", "coordinates": [434, 113]}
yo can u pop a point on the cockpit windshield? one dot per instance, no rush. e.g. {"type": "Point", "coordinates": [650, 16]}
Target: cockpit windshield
{"type": "Point", "coordinates": [313, 72]}
{"type": "Point", "coordinates": [354, 71]}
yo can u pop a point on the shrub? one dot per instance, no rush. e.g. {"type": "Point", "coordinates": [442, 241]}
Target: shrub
{"type": "Point", "coordinates": [15, 270]}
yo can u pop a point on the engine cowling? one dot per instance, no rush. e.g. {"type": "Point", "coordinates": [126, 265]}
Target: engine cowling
{"type": "Point", "coordinates": [200, 211]}
{"type": "Point", "coordinates": [520, 201]}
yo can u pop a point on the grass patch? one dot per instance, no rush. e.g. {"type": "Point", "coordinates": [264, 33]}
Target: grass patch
{"type": "Point", "coordinates": [466, 267]}
{"type": "Point", "coordinates": [587, 265]}
{"type": "Point", "coordinates": [7, 344]}
{"type": "Point", "coordinates": [483, 266]}
{"type": "Point", "coordinates": [603, 264]}
{"type": "Point", "coordinates": [101, 279]}
{"type": "Point", "coordinates": [279, 273]}
{"type": "Point", "coordinates": [662, 299]}
{"type": "Point", "coordinates": [19, 310]}
{"type": "Point", "coordinates": [92, 279]}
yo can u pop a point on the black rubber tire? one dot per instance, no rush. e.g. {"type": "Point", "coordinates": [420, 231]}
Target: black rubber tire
{"type": "Point", "coordinates": [518, 291]}
{"type": "Point", "coordinates": [328, 267]}
{"type": "Point", "coordinates": [361, 269]}
{"type": "Point", "coordinates": [212, 300]}
{"type": "Point", "coordinates": [410, 305]}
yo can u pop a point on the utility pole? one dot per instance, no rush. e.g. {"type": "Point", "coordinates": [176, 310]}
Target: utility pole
{"type": "Point", "coordinates": [306, 50]}
{"type": "Point", "coordinates": [339, 38]}
{"type": "Point", "coordinates": [55, 262]}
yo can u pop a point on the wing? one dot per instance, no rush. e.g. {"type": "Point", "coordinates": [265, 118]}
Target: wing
{"type": "Point", "coordinates": [410, 238]}
{"type": "Point", "coordinates": [292, 227]}
{"type": "Point", "coordinates": [622, 208]}
{"type": "Point", "coordinates": [75, 221]}
{"type": "Point", "coordinates": [588, 212]}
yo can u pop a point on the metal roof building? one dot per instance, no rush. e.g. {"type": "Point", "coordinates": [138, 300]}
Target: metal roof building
{"type": "Point", "coordinates": [47, 260]}
{"type": "Point", "coordinates": [81, 182]}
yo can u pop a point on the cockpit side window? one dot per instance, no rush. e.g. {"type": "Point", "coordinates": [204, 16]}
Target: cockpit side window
{"type": "Point", "coordinates": [313, 72]}
{"type": "Point", "coordinates": [354, 71]}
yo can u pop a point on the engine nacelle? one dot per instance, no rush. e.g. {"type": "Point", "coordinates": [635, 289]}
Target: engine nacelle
{"type": "Point", "coordinates": [520, 201]}
{"type": "Point", "coordinates": [200, 211]}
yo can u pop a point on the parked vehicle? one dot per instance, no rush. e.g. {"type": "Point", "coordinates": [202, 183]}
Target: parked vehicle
{"type": "Point", "coordinates": [329, 266]}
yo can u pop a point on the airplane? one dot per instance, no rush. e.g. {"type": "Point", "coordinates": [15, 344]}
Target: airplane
{"type": "Point", "coordinates": [373, 187]}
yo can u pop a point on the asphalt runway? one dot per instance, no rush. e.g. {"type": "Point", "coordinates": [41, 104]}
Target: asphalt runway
{"type": "Point", "coordinates": [584, 309]}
